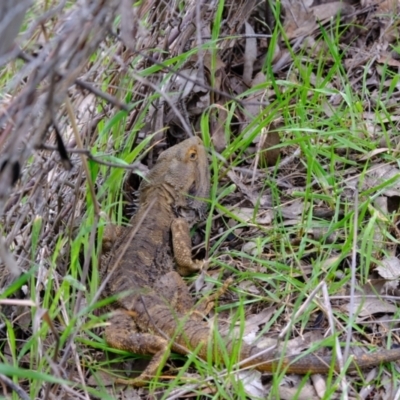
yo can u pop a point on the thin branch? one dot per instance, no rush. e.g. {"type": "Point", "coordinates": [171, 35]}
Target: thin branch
{"type": "Point", "coordinates": [13, 386]}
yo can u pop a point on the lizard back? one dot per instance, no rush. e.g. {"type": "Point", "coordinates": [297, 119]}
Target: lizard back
{"type": "Point", "coordinates": [175, 186]}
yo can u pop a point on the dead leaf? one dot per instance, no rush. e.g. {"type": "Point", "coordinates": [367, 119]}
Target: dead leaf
{"type": "Point", "coordinates": [384, 6]}
{"type": "Point", "coordinates": [251, 381]}
{"type": "Point", "coordinates": [374, 286]}
{"type": "Point", "coordinates": [182, 85]}
{"type": "Point", "coordinates": [319, 233]}
{"type": "Point", "coordinates": [252, 103]}
{"type": "Point", "coordinates": [268, 156]}
{"type": "Point", "coordinates": [218, 117]}
{"type": "Point", "coordinates": [326, 11]}
{"type": "Point", "coordinates": [251, 325]}
{"type": "Point", "coordinates": [389, 268]}
{"type": "Point", "coordinates": [389, 60]}
{"type": "Point", "coordinates": [256, 320]}
{"type": "Point", "coordinates": [249, 287]}
{"type": "Point", "coordinates": [262, 201]}
{"type": "Point", "coordinates": [252, 248]}
{"type": "Point", "coordinates": [294, 346]}
{"type": "Point", "coordinates": [368, 387]}
{"type": "Point", "coordinates": [319, 384]}
{"type": "Point", "coordinates": [247, 214]}
{"type": "Point", "coordinates": [297, 17]}
{"type": "Point", "coordinates": [373, 153]}
{"type": "Point", "coordinates": [301, 20]}
{"type": "Point", "coordinates": [292, 209]}
{"type": "Point", "coordinates": [306, 392]}
{"type": "Point", "coordinates": [377, 175]}
{"type": "Point", "coordinates": [327, 264]}
{"type": "Point", "coordinates": [250, 54]}
{"type": "Point", "coordinates": [367, 307]}
{"type": "Point", "coordinates": [99, 375]}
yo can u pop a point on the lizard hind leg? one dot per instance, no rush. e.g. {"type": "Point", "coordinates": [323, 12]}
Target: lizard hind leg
{"type": "Point", "coordinates": [122, 334]}
{"type": "Point", "coordinates": [111, 234]}
{"type": "Point", "coordinates": [173, 290]}
{"type": "Point", "coordinates": [206, 304]}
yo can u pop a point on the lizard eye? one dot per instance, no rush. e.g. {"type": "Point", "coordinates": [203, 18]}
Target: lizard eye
{"type": "Point", "coordinates": [193, 155]}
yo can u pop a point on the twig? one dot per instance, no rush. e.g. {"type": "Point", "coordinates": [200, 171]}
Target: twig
{"type": "Point", "coordinates": [167, 98]}
{"type": "Point", "coordinates": [240, 36]}
{"type": "Point", "coordinates": [300, 311]}
{"type": "Point", "coordinates": [83, 159]}
{"type": "Point", "coordinates": [353, 268]}
{"type": "Point", "coordinates": [136, 166]}
{"type": "Point", "coordinates": [338, 350]}
{"type": "Point", "coordinates": [84, 85]}
{"type": "Point", "coordinates": [13, 386]}
{"type": "Point", "coordinates": [105, 96]}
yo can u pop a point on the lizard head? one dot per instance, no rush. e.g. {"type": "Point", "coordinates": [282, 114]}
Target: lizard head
{"type": "Point", "coordinates": [182, 170]}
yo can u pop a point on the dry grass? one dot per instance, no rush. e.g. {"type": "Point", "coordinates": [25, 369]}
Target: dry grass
{"type": "Point", "coordinates": [299, 117]}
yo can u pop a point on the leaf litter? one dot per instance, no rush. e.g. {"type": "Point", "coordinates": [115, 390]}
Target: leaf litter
{"type": "Point", "coordinates": [230, 83]}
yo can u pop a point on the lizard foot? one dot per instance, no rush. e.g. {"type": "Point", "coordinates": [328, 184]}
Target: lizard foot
{"type": "Point", "coordinates": [135, 382]}
{"type": "Point", "coordinates": [121, 334]}
{"type": "Point", "coordinates": [205, 306]}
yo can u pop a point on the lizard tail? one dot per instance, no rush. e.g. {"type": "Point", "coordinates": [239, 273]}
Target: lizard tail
{"type": "Point", "coordinates": [197, 336]}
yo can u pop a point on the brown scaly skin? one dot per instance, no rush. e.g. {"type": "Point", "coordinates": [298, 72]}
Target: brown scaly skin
{"type": "Point", "coordinates": [157, 307]}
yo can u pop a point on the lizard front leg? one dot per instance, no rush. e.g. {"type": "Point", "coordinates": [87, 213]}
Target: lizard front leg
{"type": "Point", "coordinates": [182, 248]}
{"type": "Point", "coordinates": [121, 333]}
{"type": "Point", "coordinates": [111, 234]}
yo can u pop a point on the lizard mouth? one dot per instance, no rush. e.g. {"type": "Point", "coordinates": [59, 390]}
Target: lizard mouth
{"type": "Point", "coordinates": [195, 204]}
{"type": "Point", "coordinates": [192, 190]}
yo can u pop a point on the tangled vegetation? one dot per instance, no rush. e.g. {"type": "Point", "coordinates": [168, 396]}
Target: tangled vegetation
{"type": "Point", "coordinates": [298, 105]}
